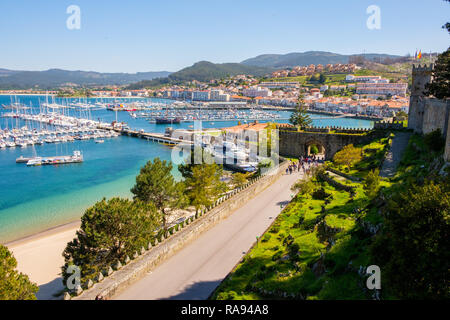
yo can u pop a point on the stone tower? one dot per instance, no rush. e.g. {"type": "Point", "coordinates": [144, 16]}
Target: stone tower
{"type": "Point", "coordinates": [421, 75]}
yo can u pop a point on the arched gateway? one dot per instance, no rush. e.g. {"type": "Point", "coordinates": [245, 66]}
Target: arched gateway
{"type": "Point", "coordinates": [295, 144]}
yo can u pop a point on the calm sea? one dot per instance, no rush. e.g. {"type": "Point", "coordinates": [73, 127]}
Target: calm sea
{"type": "Point", "coordinates": [33, 199]}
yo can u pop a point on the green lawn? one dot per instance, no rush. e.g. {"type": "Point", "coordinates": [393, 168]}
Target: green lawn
{"type": "Point", "coordinates": [339, 78]}
{"type": "Point", "coordinates": [315, 247]}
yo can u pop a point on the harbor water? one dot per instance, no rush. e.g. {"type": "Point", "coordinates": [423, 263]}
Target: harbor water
{"type": "Point", "coordinates": [33, 199]}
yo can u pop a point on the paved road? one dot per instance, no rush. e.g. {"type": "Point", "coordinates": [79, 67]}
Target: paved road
{"type": "Point", "coordinates": [394, 155]}
{"type": "Point", "coordinates": [196, 270]}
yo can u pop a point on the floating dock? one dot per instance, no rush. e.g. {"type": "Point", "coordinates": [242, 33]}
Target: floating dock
{"type": "Point", "coordinates": [77, 157]}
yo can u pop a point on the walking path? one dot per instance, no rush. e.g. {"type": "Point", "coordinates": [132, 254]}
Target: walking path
{"type": "Point", "coordinates": [197, 269]}
{"type": "Point", "coordinates": [393, 157]}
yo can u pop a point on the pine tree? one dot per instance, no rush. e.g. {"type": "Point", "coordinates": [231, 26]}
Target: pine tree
{"type": "Point", "coordinates": [110, 230]}
{"type": "Point", "coordinates": [300, 117]}
{"type": "Point", "coordinates": [13, 284]}
{"type": "Point", "coordinates": [440, 87]}
{"type": "Point", "coordinates": [156, 184]}
{"type": "Point", "coordinates": [204, 186]}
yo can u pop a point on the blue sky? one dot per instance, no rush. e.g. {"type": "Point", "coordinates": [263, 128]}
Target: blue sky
{"type": "Point", "coordinates": [154, 35]}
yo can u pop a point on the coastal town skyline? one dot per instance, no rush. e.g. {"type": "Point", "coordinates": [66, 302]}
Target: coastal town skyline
{"type": "Point", "coordinates": [111, 40]}
{"type": "Point", "coordinates": [246, 152]}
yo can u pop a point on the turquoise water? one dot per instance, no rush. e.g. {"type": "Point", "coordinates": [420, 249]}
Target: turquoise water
{"type": "Point", "coordinates": [33, 199]}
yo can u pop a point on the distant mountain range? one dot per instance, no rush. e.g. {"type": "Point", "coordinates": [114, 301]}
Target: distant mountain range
{"type": "Point", "coordinates": [306, 58]}
{"type": "Point", "coordinates": [200, 71]}
{"type": "Point", "coordinates": [204, 71]}
{"type": "Point", "coordinates": [13, 79]}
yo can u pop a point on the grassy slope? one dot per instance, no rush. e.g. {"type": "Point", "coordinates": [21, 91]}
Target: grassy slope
{"type": "Point", "coordinates": [267, 272]}
{"type": "Point", "coordinates": [393, 73]}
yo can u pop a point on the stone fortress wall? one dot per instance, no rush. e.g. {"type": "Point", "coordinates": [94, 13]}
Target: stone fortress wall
{"type": "Point", "coordinates": [428, 114]}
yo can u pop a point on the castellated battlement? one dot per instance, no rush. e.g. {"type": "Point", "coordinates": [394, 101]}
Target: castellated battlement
{"type": "Point", "coordinates": [388, 125]}
{"type": "Point", "coordinates": [422, 69]}
{"type": "Point", "coordinates": [327, 129]}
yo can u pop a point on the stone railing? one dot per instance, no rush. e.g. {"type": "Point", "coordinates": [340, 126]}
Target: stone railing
{"type": "Point", "coordinates": [120, 275]}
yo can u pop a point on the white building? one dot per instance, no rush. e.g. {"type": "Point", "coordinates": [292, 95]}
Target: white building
{"type": "Point", "coordinates": [219, 95]}
{"type": "Point", "coordinates": [382, 89]}
{"type": "Point", "coordinates": [286, 84]}
{"type": "Point", "coordinates": [201, 95]}
{"type": "Point", "coordinates": [257, 92]}
{"type": "Point", "coordinates": [367, 79]}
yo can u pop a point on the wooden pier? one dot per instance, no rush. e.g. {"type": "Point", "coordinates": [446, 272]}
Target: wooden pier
{"type": "Point", "coordinates": [155, 137]}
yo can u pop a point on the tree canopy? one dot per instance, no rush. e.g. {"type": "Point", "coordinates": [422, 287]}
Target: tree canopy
{"type": "Point", "coordinates": [348, 156]}
{"type": "Point", "coordinates": [440, 86]}
{"type": "Point", "coordinates": [239, 179]}
{"type": "Point", "coordinates": [156, 184]}
{"type": "Point", "coordinates": [300, 117]}
{"type": "Point", "coordinates": [186, 168]}
{"type": "Point", "coordinates": [13, 284]}
{"type": "Point", "coordinates": [414, 250]}
{"type": "Point", "coordinates": [204, 186]}
{"type": "Point", "coordinates": [110, 230]}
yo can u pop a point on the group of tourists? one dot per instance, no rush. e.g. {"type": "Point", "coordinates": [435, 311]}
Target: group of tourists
{"type": "Point", "coordinates": [304, 164]}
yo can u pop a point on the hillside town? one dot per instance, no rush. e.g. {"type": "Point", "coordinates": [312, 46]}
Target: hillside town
{"type": "Point", "coordinates": [368, 95]}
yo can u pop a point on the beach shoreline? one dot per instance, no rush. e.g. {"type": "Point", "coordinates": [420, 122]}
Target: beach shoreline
{"type": "Point", "coordinates": [44, 233]}
{"type": "Point", "coordinates": [39, 256]}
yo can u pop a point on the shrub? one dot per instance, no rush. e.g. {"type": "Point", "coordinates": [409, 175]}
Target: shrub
{"type": "Point", "coordinates": [303, 187]}
{"type": "Point", "coordinates": [434, 140]}
{"type": "Point", "coordinates": [372, 183]}
{"type": "Point", "coordinates": [348, 156]}
{"type": "Point", "coordinates": [274, 229]}
{"type": "Point", "coordinates": [415, 251]}
{"type": "Point", "coordinates": [277, 256]}
{"type": "Point", "coordinates": [230, 295]}
{"type": "Point", "coordinates": [293, 249]}
{"type": "Point", "coordinates": [314, 149]}
{"type": "Point", "coordinates": [288, 240]}
{"type": "Point", "coordinates": [320, 194]}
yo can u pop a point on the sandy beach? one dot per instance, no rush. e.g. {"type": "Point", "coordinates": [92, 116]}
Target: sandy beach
{"type": "Point", "coordinates": [40, 257]}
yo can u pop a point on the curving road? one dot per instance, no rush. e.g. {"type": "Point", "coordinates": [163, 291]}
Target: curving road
{"type": "Point", "coordinates": [197, 269]}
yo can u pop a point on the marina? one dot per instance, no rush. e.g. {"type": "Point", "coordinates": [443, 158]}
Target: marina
{"type": "Point", "coordinates": [38, 198]}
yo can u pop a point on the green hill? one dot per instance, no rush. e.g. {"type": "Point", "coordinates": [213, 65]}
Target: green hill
{"type": "Point", "coordinates": [53, 78]}
{"type": "Point", "coordinates": [204, 71]}
{"type": "Point", "coordinates": [310, 57]}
